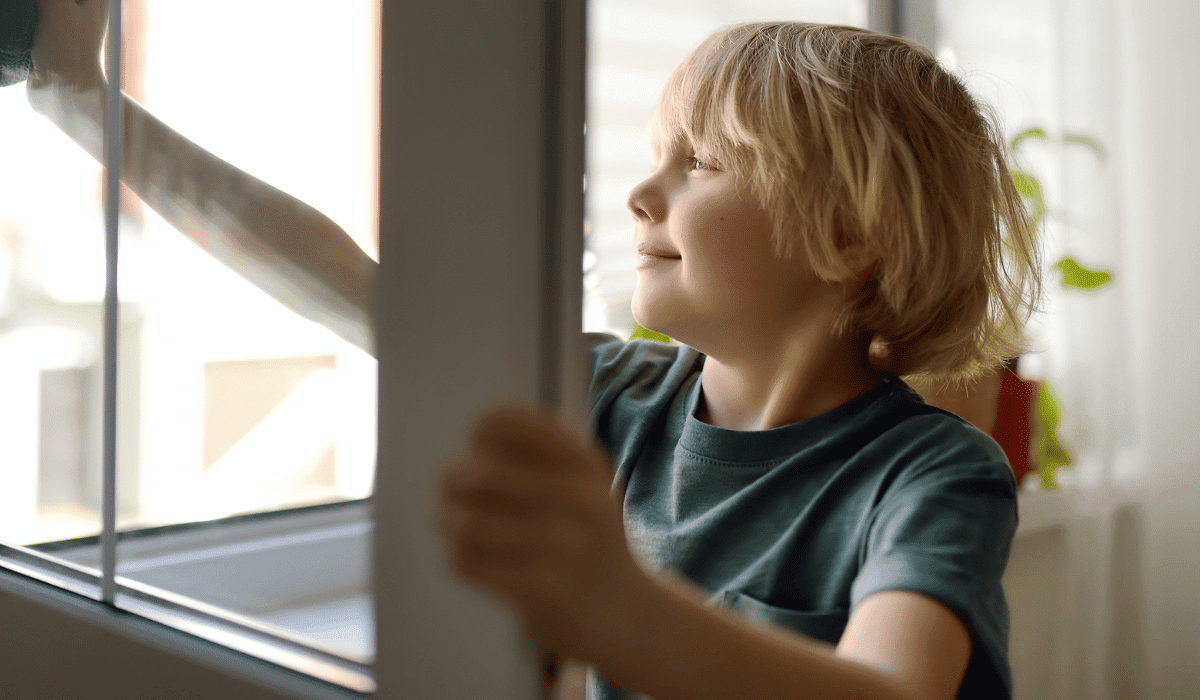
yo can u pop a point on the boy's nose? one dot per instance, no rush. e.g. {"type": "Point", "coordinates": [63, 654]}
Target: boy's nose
{"type": "Point", "coordinates": [646, 202]}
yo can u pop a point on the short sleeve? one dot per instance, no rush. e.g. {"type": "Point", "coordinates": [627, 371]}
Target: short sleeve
{"type": "Point", "coordinates": [604, 349]}
{"type": "Point", "coordinates": [632, 381]}
{"type": "Point", "coordinates": [947, 534]}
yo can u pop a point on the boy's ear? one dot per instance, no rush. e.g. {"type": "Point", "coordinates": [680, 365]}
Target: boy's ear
{"type": "Point", "coordinates": [864, 269]}
{"type": "Point", "coordinates": [862, 263]}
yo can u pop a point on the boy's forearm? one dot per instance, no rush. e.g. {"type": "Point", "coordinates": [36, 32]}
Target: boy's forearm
{"type": "Point", "coordinates": [682, 649]}
{"type": "Point", "coordinates": [280, 244]}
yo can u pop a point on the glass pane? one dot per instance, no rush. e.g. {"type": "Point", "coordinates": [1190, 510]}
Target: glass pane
{"type": "Point", "coordinates": [51, 291]}
{"type": "Point", "coordinates": [230, 402]}
{"type": "Point", "coordinates": [240, 404]}
{"type": "Point", "coordinates": [633, 45]}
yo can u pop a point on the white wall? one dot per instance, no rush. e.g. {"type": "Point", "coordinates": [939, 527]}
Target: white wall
{"type": "Point", "coordinates": [1102, 580]}
{"type": "Point", "coordinates": [1160, 151]}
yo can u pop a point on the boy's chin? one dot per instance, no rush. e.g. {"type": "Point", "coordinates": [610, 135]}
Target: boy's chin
{"type": "Point", "coordinates": [653, 310]}
{"type": "Point", "coordinates": [650, 321]}
{"type": "Point", "coordinates": [670, 314]}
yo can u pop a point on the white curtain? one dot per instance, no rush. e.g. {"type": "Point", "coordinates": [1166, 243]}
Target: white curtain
{"type": "Point", "coordinates": [1124, 359]}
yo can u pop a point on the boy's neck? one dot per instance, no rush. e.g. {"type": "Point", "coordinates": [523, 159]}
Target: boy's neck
{"type": "Point", "coordinates": [783, 387]}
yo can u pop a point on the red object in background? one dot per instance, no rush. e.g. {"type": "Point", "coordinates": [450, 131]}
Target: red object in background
{"type": "Point", "coordinates": [1014, 420]}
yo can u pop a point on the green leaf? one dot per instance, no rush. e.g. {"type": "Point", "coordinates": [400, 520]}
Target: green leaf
{"type": "Point", "coordinates": [1049, 454]}
{"type": "Point", "coordinates": [1080, 277]}
{"type": "Point", "coordinates": [1028, 185]}
{"type": "Point", "coordinates": [1029, 188]}
{"type": "Point", "coordinates": [640, 332]}
{"type": "Point", "coordinates": [1089, 142]}
{"type": "Point", "coordinates": [1030, 133]}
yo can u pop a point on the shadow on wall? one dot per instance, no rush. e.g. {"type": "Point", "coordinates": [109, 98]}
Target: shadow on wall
{"type": "Point", "coordinates": [1126, 662]}
{"type": "Point", "coordinates": [1073, 633]}
{"type": "Point", "coordinates": [1033, 583]}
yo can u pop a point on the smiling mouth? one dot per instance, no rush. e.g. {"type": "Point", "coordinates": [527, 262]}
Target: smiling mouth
{"type": "Point", "coordinates": [646, 258]}
{"type": "Point", "coordinates": [655, 253]}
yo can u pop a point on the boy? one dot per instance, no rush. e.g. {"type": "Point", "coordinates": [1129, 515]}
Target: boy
{"type": "Point", "coordinates": [826, 213]}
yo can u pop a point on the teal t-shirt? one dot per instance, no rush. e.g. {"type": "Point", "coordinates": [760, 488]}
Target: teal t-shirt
{"type": "Point", "coordinates": [796, 525]}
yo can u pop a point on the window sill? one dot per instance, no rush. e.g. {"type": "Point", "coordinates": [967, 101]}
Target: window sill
{"type": "Point", "coordinates": [1041, 510]}
{"type": "Point", "coordinates": [291, 588]}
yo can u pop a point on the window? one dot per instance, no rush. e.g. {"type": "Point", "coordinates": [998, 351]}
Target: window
{"type": "Point", "coordinates": [209, 381]}
{"type": "Point", "coordinates": [231, 403]}
{"type": "Point", "coordinates": [509, 162]}
{"type": "Point", "coordinates": [241, 426]}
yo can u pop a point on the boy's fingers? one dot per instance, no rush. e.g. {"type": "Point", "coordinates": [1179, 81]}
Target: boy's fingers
{"type": "Point", "coordinates": [522, 431]}
{"type": "Point", "coordinates": [69, 34]}
{"type": "Point", "coordinates": [497, 533]}
{"type": "Point", "coordinates": [533, 436]}
{"type": "Point", "coordinates": [485, 485]}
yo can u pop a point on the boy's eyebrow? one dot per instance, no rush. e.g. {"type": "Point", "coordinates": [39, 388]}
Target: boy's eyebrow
{"type": "Point", "coordinates": [658, 146]}
{"type": "Point", "coordinates": [658, 149]}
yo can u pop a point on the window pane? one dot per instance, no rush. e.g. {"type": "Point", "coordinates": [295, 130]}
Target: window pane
{"type": "Point", "coordinates": [633, 46]}
{"type": "Point", "coordinates": [240, 404]}
{"type": "Point", "coordinates": [231, 403]}
{"type": "Point", "coordinates": [51, 287]}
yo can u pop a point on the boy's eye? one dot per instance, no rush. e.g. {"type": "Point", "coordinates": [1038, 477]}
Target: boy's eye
{"type": "Point", "coordinates": [699, 164]}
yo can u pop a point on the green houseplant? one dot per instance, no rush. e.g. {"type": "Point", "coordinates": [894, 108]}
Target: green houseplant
{"type": "Point", "coordinates": [1048, 455]}
{"type": "Point", "coordinates": [1022, 415]}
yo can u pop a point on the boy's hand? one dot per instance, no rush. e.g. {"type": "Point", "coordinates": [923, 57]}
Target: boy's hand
{"type": "Point", "coordinates": [527, 514]}
{"type": "Point", "coordinates": [66, 45]}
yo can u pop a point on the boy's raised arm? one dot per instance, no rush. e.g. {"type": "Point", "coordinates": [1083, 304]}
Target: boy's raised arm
{"type": "Point", "coordinates": [282, 245]}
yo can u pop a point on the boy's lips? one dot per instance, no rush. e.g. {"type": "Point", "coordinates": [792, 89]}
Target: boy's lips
{"type": "Point", "coordinates": [648, 257]}
{"type": "Point", "coordinates": [650, 251]}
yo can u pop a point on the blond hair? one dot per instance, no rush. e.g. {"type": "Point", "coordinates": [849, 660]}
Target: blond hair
{"type": "Point", "coordinates": [875, 163]}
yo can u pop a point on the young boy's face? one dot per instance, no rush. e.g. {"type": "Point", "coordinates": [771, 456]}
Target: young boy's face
{"type": "Point", "coordinates": [708, 274]}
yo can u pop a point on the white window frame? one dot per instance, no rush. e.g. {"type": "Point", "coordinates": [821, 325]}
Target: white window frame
{"type": "Point", "coordinates": [292, 569]}
{"type": "Point", "coordinates": [482, 142]}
